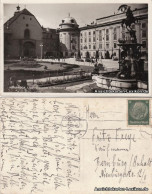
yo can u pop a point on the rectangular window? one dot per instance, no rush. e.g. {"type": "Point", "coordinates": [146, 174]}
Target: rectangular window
{"type": "Point", "coordinates": [115, 33]}
{"type": "Point", "coordinates": [100, 46]}
{"type": "Point", "coordinates": [89, 46]}
{"type": "Point", "coordinates": [100, 38]}
{"type": "Point", "coordinates": [115, 45]}
{"type": "Point", "coordinates": [89, 39]}
{"type": "Point", "coordinates": [94, 46]}
{"type": "Point", "coordinates": [93, 32]}
{"type": "Point", "coordinates": [89, 33]}
{"type": "Point", "coordinates": [143, 25]}
{"type": "Point", "coordinates": [81, 40]}
{"type": "Point", "coordinates": [107, 31]}
{"type": "Point", "coordinates": [107, 46]}
{"type": "Point", "coordinates": [144, 44]}
{"type": "Point", "coordinates": [107, 37]}
{"type": "Point", "coordinates": [85, 40]}
{"type": "Point", "coordinates": [115, 37]}
{"type": "Point", "coordinates": [107, 34]}
{"type": "Point", "coordinates": [123, 36]}
{"type": "Point", "coordinates": [143, 33]}
{"type": "Point", "coordinates": [94, 39]}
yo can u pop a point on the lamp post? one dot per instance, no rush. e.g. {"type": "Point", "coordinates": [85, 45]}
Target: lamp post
{"type": "Point", "coordinates": [41, 45]}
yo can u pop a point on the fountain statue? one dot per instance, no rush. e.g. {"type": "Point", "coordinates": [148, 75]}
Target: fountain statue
{"type": "Point", "coordinates": [131, 65]}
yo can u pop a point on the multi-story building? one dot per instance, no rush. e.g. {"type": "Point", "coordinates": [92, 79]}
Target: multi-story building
{"type": "Point", "coordinates": [103, 35]}
{"type": "Point", "coordinates": [69, 37]}
{"type": "Point", "coordinates": [24, 36]}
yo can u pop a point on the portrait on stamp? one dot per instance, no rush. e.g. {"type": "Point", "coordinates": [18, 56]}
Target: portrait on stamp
{"type": "Point", "coordinates": [138, 112]}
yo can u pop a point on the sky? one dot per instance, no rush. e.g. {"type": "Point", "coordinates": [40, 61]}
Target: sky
{"type": "Point", "coordinates": [51, 15]}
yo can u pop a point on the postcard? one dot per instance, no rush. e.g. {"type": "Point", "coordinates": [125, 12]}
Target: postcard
{"type": "Point", "coordinates": [75, 97]}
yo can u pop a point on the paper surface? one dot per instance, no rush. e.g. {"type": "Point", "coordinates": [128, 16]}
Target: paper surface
{"type": "Point", "coordinates": [72, 146]}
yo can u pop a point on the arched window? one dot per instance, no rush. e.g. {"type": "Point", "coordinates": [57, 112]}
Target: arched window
{"type": "Point", "coordinates": [26, 33]}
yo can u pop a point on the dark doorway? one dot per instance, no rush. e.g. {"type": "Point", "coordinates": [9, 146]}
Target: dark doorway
{"type": "Point", "coordinates": [107, 55]}
{"type": "Point", "coordinates": [29, 49]}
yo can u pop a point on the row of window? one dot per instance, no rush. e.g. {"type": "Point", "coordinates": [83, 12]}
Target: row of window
{"type": "Point", "coordinates": [107, 46]}
{"type": "Point", "coordinates": [100, 46]}
{"type": "Point", "coordinates": [144, 35]}
{"type": "Point", "coordinates": [85, 33]}
{"type": "Point", "coordinates": [100, 38]}
{"type": "Point", "coordinates": [143, 26]}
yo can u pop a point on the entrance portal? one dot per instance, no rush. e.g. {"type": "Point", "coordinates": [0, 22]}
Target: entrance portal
{"type": "Point", "coordinates": [29, 49]}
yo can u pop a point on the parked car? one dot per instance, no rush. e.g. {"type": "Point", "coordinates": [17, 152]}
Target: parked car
{"type": "Point", "coordinates": [115, 58]}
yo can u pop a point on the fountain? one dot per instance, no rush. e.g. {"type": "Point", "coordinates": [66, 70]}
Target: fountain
{"type": "Point", "coordinates": [131, 75]}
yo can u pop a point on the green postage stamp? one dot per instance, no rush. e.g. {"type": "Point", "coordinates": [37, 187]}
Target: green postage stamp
{"type": "Point", "coordinates": [138, 112]}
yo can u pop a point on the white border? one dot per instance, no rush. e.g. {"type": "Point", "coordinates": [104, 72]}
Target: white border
{"type": "Point", "coordinates": [95, 95]}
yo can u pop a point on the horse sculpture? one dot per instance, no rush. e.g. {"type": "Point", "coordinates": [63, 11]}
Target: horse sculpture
{"type": "Point", "coordinates": [130, 19]}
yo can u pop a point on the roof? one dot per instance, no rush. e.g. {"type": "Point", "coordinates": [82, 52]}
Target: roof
{"type": "Point", "coordinates": [17, 14]}
{"type": "Point", "coordinates": [69, 21]}
{"type": "Point", "coordinates": [49, 30]}
{"type": "Point", "coordinates": [26, 12]}
{"type": "Point", "coordinates": [137, 9]}
{"type": "Point", "coordinates": [119, 20]}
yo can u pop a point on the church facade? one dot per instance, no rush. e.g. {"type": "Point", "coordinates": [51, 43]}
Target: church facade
{"type": "Point", "coordinates": [25, 37]}
{"type": "Point", "coordinates": [22, 35]}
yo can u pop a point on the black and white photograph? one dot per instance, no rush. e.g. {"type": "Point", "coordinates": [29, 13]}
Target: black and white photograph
{"type": "Point", "coordinates": [75, 48]}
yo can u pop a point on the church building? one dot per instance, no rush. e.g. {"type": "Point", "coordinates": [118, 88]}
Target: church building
{"type": "Point", "coordinates": [22, 35]}
{"type": "Point", "coordinates": [25, 37]}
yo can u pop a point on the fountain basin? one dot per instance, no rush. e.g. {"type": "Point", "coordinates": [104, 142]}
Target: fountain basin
{"type": "Point", "coordinates": [113, 83]}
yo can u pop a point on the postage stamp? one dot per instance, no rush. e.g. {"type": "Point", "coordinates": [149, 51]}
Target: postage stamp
{"type": "Point", "coordinates": [138, 112]}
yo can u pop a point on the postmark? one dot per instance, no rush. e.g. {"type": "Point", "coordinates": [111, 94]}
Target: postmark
{"type": "Point", "coordinates": [138, 112]}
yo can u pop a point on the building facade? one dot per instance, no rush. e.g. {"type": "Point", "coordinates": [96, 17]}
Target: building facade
{"type": "Point", "coordinates": [22, 35]}
{"type": "Point", "coordinates": [50, 43]}
{"type": "Point", "coordinates": [103, 36]}
{"type": "Point", "coordinates": [25, 37]}
{"type": "Point", "coordinates": [69, 37]}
